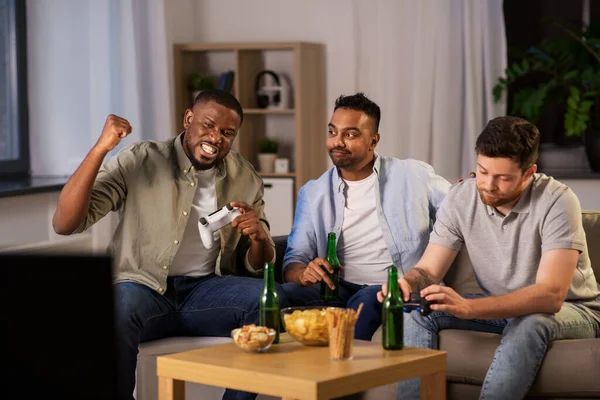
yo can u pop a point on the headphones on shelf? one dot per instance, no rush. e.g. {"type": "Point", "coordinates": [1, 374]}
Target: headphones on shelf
{"type": "Point", "coordinates": [263, 99]}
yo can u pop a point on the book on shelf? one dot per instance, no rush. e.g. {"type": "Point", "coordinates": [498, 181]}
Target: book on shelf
{"type": "Point", "coordinates": [226, 81]}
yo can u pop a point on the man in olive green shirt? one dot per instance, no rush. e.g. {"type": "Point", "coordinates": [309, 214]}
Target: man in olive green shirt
{"type": "Point", "coordinates": [167, 282]}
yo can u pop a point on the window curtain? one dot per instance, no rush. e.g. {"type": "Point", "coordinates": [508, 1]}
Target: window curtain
{"type": "Point", "coordinates": [431, 66]}
{"type": "Point", "coordinates": [88, 59]}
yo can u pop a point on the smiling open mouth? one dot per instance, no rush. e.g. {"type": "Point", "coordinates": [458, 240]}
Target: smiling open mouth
{"type": "Point", "coordinates": [209, 149]}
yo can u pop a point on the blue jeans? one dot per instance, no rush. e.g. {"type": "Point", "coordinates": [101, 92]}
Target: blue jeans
{"type": "Point", "coordinates": [191, 306]}
{"type": "Point", "coordinates": [349, 295]}
{"type": "Point", "coordinates": [520, 353]}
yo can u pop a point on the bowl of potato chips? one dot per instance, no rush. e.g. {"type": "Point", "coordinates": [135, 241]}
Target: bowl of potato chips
{"type": "Point", "coordinates": [252, 338]}
{"type": "Point", "coordinates": [307, 324]}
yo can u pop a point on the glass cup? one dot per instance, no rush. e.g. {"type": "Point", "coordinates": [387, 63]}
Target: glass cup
{"type": "Point", "coordinates": [341, 340]}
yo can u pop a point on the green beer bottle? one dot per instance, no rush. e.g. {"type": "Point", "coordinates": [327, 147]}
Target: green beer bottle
{"type": "Point", "coordinates": [268, 308]}
{"type": "Point", "coordinates": [328, 294]}
{"type": "Point", "coordinates": [392, 314]}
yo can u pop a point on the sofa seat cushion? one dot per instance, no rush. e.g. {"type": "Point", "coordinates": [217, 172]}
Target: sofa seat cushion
{"type": "Point", "coordinates": [569, 369]}
{"type": "Point", "coordinates": [178, 344]}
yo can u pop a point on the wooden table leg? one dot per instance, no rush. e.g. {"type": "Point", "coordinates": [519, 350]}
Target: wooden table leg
{"type": "Point", "coordinates": [170, 389]}
{"type": "Point", "coordinates": [433, 387]}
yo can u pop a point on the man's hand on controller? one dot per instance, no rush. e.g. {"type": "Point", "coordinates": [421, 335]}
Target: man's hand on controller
{"type": "Point", "coordinates": [405, 289]}
{"type": "Point", "coordinates": [447, 300]}
{"type": "Point", "coordinates": [248, 223]}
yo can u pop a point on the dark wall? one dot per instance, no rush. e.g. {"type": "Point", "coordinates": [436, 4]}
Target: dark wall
{"type": "Point", "coordinates": [524, 29]}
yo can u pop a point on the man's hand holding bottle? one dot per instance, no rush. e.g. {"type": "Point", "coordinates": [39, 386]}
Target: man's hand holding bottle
{"type": "Point", "coordinates": [316, 272]}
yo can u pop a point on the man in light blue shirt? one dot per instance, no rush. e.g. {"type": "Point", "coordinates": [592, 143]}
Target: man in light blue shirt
{"type": "Point", "coordinates": [381, 209]}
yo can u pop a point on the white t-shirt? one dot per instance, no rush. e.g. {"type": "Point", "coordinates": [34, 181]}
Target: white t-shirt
{"type": "Point", "coordinates": [192, 258]}
{"type": "Point", "coordinates": [361, 248]}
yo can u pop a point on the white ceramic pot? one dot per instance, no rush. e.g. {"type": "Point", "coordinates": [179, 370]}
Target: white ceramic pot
{"type": "Point", "coordinates": [266, 162]}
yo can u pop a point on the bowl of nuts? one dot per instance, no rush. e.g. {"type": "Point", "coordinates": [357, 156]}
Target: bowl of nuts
{"type": "Point", "coordinates": [307, 324]}
{"type": "Point", "coordinates": [252, 338]}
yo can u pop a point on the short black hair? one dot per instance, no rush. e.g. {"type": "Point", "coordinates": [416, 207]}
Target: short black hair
{"type": "Point", "coordinates": [221, 97]}
{"type": "Point", "coordinates": [360, 102]}
{"type": "Point", "coordinates": [510, 137]}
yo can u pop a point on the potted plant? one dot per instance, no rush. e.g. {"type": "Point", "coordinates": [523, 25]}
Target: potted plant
{"type": "Point", "coordinates": [267, 152]}
{"type": "Point", "coordinates": [564, 72]}
{"type": "Point", "coordinates": [197, 82]}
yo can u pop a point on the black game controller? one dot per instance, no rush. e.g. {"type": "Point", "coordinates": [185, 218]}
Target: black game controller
{"type": "Point", "coordinates": [419, 304]}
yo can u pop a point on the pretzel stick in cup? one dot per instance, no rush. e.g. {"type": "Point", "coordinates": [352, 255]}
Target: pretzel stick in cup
{"type": "Point", "coordinates": [360, 306]}
{"type": "Point", "coordinates": [341, 324]}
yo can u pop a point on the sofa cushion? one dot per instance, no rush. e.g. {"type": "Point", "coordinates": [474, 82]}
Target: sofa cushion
{"type": "Point", "coordinates": [460, 275]}
{"type": "Point", "coordinates": [570, 367]}
{"type": "Point", "coordinates": [591, 226]}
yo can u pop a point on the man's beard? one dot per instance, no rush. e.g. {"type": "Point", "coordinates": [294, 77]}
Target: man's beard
{"type": "Point", "coordinates": [343, 162]}
{"type": "Point", "coordinates": [198, 165]}
{"type": "Point", "coordinates": [498, 201]}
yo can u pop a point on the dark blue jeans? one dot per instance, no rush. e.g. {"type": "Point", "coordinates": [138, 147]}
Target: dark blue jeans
{"type": "Point", "coordinates": [205, 306]}
{"type": "Point", "coordinates": [349, 295]}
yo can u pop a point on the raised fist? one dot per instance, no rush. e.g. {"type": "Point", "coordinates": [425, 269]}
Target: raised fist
{"type": "Point", "coordinates": [115, 129]}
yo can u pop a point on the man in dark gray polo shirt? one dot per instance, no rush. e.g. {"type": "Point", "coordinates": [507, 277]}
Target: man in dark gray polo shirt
{"type": "Point", "coordinates": [524, 235]}
{"type": "Point", "coordinates": [167, 283]}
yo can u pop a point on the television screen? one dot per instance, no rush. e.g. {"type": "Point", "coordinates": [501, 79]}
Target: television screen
{"type": "Point", "coordinates": [57, 327]}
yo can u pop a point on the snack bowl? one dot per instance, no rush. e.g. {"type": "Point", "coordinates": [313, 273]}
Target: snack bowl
{"type": "Point", "coordinates": [306, 324]}
{"type": "Point", "coordinates": [252, 338]}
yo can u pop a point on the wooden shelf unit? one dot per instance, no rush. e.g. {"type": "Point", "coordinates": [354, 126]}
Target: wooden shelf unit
{"type": "Point", "coordinates": [302, 138]}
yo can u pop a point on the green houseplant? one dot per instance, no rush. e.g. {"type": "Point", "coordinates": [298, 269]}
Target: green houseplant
{"type": "Point", "coordinates": [567, 71]}
{"type": "Point", "coordinates": [196, 82]}
{"type": "Point", "coordinates": [267, 152]}
{"type": "Point", "coordinates": [562, 72]}
{"type": "Point", "coordinates": [268, 145]}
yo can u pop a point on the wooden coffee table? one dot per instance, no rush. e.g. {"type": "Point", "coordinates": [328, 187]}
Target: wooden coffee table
{"type": "Point", "coordinates": [294, 371]}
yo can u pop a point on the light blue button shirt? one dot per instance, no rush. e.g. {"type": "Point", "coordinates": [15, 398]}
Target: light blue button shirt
{"type": "Point", "coordinates": [408, 192]}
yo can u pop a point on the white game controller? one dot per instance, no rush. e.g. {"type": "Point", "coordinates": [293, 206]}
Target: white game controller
{"type": "Point", "coordinates": [214, 221]}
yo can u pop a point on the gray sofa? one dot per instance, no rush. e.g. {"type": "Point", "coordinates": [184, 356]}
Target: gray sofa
{"type": "Point", "coordinates": [571, 369]}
